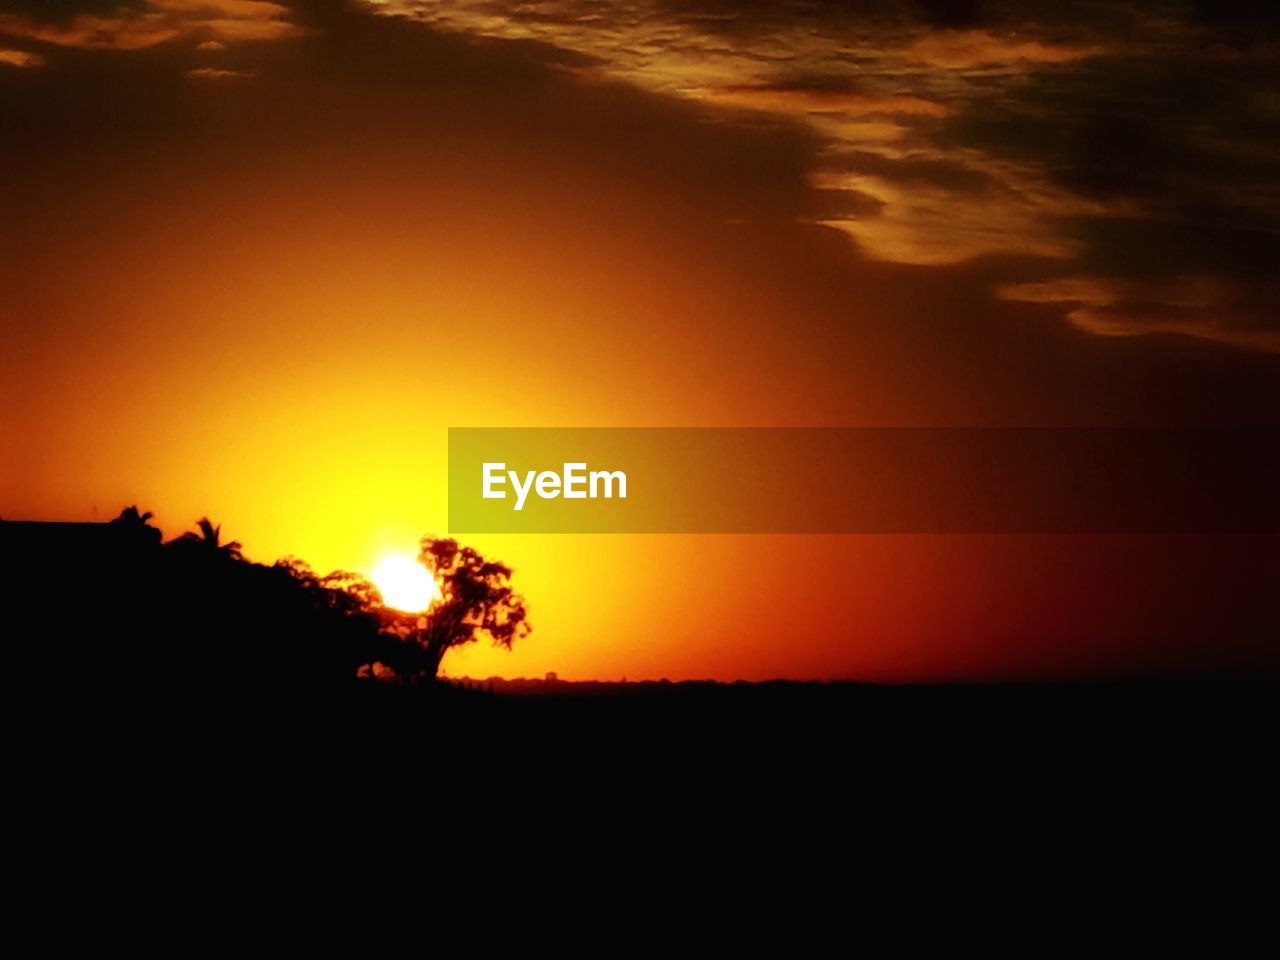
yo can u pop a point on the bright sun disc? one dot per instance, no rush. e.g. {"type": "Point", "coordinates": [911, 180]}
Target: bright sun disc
{"type": "Point", "coordinates": [405, 584]}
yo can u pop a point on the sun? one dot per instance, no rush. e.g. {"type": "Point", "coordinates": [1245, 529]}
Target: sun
{"type": "Point", "coordinates": [405, 584]}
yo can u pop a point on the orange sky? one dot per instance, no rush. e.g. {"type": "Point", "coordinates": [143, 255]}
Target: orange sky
{"type": "Point", "coordinates": [257, 257]}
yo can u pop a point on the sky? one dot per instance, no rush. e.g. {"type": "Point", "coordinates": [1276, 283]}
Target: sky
{"type": "Point", "coordinates": [256, 257]}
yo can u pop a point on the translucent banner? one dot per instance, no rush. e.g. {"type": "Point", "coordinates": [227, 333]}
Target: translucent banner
{"type": "Point", "coordinates": [863, 480]}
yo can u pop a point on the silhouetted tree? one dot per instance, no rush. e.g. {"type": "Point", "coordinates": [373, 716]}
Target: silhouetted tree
{"type": "Point", "coordinates": [210, 538]}
{"type": "Point", "coordinates": [476, 600]}
{"type": "Point", "coordinates": [350, 593]}
{"type": "Point", "coordinates": [137, 524]}
{"type": "Point", "coordinates": [342, 621]}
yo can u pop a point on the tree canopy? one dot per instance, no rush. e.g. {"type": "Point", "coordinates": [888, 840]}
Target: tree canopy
{"type": "Point", "coordinates": [477, 601]}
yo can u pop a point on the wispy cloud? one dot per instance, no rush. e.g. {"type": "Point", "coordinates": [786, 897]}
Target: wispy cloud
{"type": "Point", "coordinates": [822, 100]}
{"type": "Point", "coordinates": [1220, 308]}
{"type": "Point", "coordinates": [1021, 132]}
{"type": "Point", "coordinates": [20, 58]}
{"type": "Point", "coordinates": [136, 27]}
{"type": "Point", "coordinates": [966, 49]}
{"type": "Point", "coordinates": [218, 73]}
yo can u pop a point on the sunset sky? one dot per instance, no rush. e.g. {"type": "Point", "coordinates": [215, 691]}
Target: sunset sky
{"type": "Point", "coordinates": [256, 257]}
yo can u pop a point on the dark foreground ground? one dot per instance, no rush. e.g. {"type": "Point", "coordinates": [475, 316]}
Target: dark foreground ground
{"type": "Point", "coordinates": [552, 776]}
{"type": "Point", "coordinates": [1126, 720]}
{"type": "Point", "coordinates": [1117, 722]}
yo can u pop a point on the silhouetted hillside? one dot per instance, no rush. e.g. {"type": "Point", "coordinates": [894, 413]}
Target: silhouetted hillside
{"type": "Point", "coordinates": [110, 611]}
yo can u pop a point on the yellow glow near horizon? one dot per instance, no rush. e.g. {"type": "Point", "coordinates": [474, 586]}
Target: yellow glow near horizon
{"type": "Point", "coordinates": [405, 584]}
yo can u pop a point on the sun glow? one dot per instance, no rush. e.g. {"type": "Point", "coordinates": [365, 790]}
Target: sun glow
{"type": "Point", "coordinates": [405, 584]}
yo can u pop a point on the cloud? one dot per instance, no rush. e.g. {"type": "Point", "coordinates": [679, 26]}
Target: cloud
{"type": "Point", "coordinates": [217, 73]}
{"type": "Point", "coordinates": [143, 25]}
{"type": "Point", "coordinates": [965, 49]}
{"type": "Point", "coordinates": [20, 58]}
{"type": "Point", "coordinates": [817, 99]}
{"type": "Point", "coordinates": [865, 85]}
{"type": "Point", "coordinates": [1229, 310]}
{"type": "Point", "coordinates": [953, 134]}
{"type": "Point", "coordinates": [931, 222]}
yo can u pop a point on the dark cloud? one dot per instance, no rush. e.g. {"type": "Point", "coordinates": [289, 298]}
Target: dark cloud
{"type": "Point", "coordinates": [1174, 143]}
